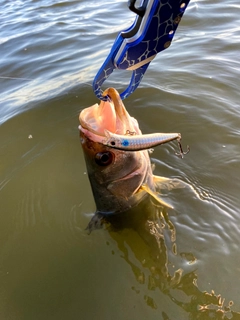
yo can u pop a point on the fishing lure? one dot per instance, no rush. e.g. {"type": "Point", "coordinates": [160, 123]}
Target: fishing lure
{"type": "Point", "coordinates": [133, 142]}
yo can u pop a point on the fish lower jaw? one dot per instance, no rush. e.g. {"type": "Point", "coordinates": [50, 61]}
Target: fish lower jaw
{"type": "Point", "coordinates": [91, 135]}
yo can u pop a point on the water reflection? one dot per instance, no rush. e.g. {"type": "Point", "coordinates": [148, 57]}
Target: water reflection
{"type": "Point", "coordinates": [146, 238]}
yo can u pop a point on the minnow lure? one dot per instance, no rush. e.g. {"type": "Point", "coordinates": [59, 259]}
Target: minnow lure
{"type": "Point", "coordinates": [138, 142]}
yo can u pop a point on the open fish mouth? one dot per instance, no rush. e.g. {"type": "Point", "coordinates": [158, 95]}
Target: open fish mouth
{"type": "Point", "coordinates": [110, 124]}
{"type": "Point", "coordinates": [108, 115]}
{"type": "Point", "coordinates": [99, 118]}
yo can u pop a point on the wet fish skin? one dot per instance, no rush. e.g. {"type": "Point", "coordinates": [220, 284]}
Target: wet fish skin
{"type": "Point", "coordinates": [115, 185]}
{"type": "Point", "coordinates": [120, 179]}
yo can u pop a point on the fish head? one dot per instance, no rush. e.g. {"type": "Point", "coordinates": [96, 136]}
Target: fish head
{"type": "Point", "coordinates": [115, 175]}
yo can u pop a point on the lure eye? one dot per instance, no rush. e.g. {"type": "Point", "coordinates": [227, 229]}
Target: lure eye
{"type": "Point", "coordinates": [104, 158]}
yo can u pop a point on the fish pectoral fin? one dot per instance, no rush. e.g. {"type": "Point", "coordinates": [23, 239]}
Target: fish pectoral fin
{"type": "Point", "coordinates": [169, 184]}
{"type": "Point", "coordinates": [153, 194]}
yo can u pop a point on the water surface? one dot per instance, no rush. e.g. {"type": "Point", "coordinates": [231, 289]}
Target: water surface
{"type": "Point", "coordinates": [50, 268]}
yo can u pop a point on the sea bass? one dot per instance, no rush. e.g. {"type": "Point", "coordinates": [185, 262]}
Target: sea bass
{"type": "Point", "coordinates": [119, 178]}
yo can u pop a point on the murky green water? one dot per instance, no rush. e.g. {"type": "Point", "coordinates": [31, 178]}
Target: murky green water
{"type": "Point", "coordinates": [176, 264]}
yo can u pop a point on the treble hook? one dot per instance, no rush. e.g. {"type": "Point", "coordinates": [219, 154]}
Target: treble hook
{"type": "Point", "coordinates": [181, 153]}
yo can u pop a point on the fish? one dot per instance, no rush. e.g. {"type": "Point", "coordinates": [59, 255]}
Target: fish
{"type": "Point", "coordinates": [120, 179]}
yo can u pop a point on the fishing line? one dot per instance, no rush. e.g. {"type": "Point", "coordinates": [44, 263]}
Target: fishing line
{"type": "Point", "coordinates": [14, 78]}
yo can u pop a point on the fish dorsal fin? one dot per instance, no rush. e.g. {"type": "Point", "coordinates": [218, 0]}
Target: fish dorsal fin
{"type": "Point", "coordinates": [145, 188]}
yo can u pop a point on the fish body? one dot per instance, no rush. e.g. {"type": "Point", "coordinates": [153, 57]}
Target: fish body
{"type": "Point", "coordinates": [119, 179]}
{"type": "Point", "coordinates": [115, 176]}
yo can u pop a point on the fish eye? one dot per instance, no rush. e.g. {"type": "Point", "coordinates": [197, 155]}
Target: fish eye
{"type": "Point", "coordinates": [104, 158]}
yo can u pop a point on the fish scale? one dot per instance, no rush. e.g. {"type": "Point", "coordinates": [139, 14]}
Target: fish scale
{"type": "Point", "coordinates": [118, 165]}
